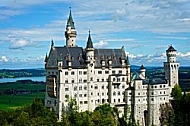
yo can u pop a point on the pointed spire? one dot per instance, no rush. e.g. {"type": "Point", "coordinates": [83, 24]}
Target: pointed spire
{"type": "Point", "coordinates": [52, 43]}
{"type": "Point", "coordinates": [89, 42]}
{"type": "Point", "coordinates": [127, 61]}
{"type": "Point", "coordinates": [142, 67]}
{"type": "Point", "coordinates": [170, 48]}
{"type": "Point", "coordinates": [70, 21]}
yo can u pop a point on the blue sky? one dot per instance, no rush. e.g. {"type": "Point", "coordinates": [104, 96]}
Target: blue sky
{"type": "Point", "coordinates": [144, 28]}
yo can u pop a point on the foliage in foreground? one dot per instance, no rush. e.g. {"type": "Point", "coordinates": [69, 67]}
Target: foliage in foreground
{"type": "Point", "coordinates": [103, 115]}
{"type": "Point", "coordinates": [181, 107]}
{"type": "Point", "coordinates": [29, 115]}
{"type": "Point", "coordinates": [37, 114]}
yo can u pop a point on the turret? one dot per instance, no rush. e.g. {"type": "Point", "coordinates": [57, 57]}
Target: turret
{"type": "Point", "coordinates": [89, 50]}
{"type": "Point", "coordinates": [171, 67]}
{"type": "Point", "coordinates": [142, 72]}
{"type": "Point", "coordinates": [171, 54]}
{"type": "Point", "coordinates": [70, 33]}
{"type": "Point", "coordinates": [90, 71]}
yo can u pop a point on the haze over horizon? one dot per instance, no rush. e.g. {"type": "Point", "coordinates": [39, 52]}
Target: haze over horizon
{"type": "Point", "coordinates": [144, 27]}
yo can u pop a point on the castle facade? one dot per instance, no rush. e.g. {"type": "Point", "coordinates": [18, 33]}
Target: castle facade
{"type": "Point", "coordinates": [98, 76]}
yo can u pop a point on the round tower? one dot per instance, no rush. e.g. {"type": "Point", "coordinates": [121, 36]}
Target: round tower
{"type": "Point", "coordinates": [171, 67]}
{"type": "Point", "coordinates": [70, 33]}
{"type": "Point", "coordinates": [90, 71]}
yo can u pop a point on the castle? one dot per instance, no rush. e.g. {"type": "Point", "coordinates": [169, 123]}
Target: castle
{"type": "Point", "coordinates": [98, 76]}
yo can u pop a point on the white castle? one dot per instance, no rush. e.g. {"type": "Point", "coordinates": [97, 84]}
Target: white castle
{"type": "Point", "coordinates": [98, 76]}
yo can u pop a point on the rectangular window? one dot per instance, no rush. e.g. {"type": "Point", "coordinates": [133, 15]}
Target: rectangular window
{"type": "Point", "coordinates": [103, 87]}
{"type": "Point", "coordinates": [84, 72]}
{"type": "Point", "coordinates": [84, 81]}
{"type": "Point", "coordinates": [80, 72]}
{"type": "Point", "coordinates": [120, 71]}
{"type": "Point", "coordinates": [106, 72]}
{"type": "Point", "coordinates": [99, 72]}
{"type": "Point", "coordinates": [85, 102]}
{"type": "Point", "coordinates": [66, 73]}
{"type": "Point", "coordinates": [85, 95]}
{"type": "Point", "coordinates": [113, 71]}
{"type": "Point", "coordinates": [95, 87]}
{"type": "Point", "coordinates": [72, 73]}
{"type": "Point", "coordinates": [66, 89]}
{"type": "Point", "coordinates": [66, 81]}
{"type": "Point", "coordinates": [80, 95]}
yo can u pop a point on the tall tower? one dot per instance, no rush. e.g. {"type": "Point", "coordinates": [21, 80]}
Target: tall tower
{"type": "Point", "coordinates": [70, 33]}
{"type": "Point", "coordinates": [171, 67]}
{"type": "Point", "coordinates": [90, 71]}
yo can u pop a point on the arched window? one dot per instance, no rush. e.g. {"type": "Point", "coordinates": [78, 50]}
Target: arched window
{"type": "Point", "coordinates": [80, 88]}
{"type": "Point", "coordinates": [114, 93]}
{"type": "Point", "coordinates": [75, 88]}
{"type": "Point", "coordinates": [85, 87]}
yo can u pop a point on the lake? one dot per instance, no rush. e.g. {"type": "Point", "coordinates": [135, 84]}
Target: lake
{"type": "Point", "coordinates": [42, 78]}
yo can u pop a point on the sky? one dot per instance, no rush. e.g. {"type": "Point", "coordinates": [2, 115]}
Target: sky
{"type": "Point", "coordinates": [146, 28]}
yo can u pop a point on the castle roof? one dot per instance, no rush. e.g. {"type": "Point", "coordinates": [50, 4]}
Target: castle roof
{"type": "Point", "coordinates": [142, 67]}
{"type": "Point", "coordinates": [89, 42]}
{"type": "Point", "coordinates": [70, 21]}
{"type": "Point", "coordinates": [127, 61]}
{"type": "Point", "coordinates": [154, 81]}
{"type": "Point", "coordinates": [171, 48]}
{"type": "Point", "coordinates": [77, 55]}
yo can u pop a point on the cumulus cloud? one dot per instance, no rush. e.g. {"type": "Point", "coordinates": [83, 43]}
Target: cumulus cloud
{"type": "Point", "coordinates": [4, 59]}
{"type": "Point", "coordinates": [101, 44]}
{"type": "Point", "coordinates": [21, 62]}
{"type": "Point", "coordinates": [180, 54]}
{"type": "Point", "coordinates": [20, 43]}
{"type": "Point", "coordinates": [157, 59]}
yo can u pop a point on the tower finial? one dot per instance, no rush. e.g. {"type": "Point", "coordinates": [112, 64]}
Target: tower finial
{"type": "Point", "coordinates": [89, 31]}
{"type": "Point", "coordinates": [70, 9]}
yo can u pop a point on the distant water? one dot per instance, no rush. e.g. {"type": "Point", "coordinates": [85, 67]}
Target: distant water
{"type": "Point", "coordinates": [42, 78]}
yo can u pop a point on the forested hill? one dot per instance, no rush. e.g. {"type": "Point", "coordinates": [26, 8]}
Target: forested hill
{"type": "Point", "coordinates": [7, 73]}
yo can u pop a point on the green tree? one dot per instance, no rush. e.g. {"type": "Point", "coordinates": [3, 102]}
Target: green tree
{"type": "Point", "coordinates": [176, 92]}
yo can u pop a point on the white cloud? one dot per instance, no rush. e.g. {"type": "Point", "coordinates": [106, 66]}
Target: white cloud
{"type": "Point", "coordinates": [4, 59]}
{"type": "Point", "coordinates": [180, 54]}
{"type": "Point", "coordinates": [17, 62]}
{"type": "Point", "coordinates": [101, 44]}
{"type": "Point", "coordinates": [20, 43]}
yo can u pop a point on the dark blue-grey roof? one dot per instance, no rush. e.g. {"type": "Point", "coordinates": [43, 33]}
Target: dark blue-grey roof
{"type": "Point", "coordinates": [70, 21]}
{"type": "Point", "coordinates": [77, 56]}
{"type": "Point", "coordinates": [154, 81]}
{"type": "Point", "coordinates": [89, 42]}
{"type": "Point", "coordinates": [142, 67]}
{"type": "Point", "coordinates": [114, 55]}
{"type": "Point", "coordinates": [73, 54]}
{"type": "Point", "coordinates": [136, 76]}
{"type": "Point", "coordinates": [171, 48]}
{"type": "Point", "coordinates": [127, 61]}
